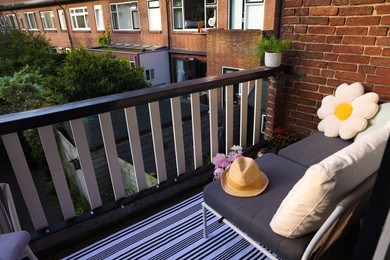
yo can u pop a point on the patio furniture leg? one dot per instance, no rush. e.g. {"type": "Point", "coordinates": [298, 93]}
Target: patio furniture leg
{"type": "Point", "coordinates": [205, 235]}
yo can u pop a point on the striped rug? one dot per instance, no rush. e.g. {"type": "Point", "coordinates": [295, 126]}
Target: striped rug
{"type": "Point", "coordinates": [175, 233]}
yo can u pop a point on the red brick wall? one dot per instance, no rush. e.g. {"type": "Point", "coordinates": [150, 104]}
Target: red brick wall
{"type": "Point", "coordinates": [221, 44]}
{"type": "Point", "coordinates": [333, 42]}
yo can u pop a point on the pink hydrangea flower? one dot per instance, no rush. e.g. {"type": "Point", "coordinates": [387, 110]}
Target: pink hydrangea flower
{"type": "Point", "coordinates": [222, 162]}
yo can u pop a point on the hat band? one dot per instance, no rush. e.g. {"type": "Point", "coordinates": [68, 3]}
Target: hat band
{"type": "Point", "coordinates": [238, 187]}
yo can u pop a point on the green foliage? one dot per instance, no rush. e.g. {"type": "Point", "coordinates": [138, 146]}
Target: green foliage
{"type": "Point", "coordinates": [104, 39]}
{"type": "Point", "coordinates": [269, 43]}
{"type": "Point", "coordinates": [21, 48]}
{"type": "Point", "coordinates": [85, 75]}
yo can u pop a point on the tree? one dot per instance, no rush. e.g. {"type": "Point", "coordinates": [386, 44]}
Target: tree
{"type": "Point", "coordinates": [85, 75]}
{"type": "Point", "coordinates": [18, 49]}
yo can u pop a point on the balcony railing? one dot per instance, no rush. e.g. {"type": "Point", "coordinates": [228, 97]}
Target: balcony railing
{"type": "Point", "coordinates": [181, 130]}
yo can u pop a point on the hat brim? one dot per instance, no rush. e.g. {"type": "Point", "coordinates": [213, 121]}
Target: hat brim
{"type": "Point", "coordinates": [260, 186]}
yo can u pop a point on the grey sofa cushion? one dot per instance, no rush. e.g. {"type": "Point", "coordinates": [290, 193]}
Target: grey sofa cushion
{"type": "Point", "coordinates": [313, 149]}
{"type": "Point", "coordinates": [255, 213]}
{"type": "Point", "coordinates": [13, 245]}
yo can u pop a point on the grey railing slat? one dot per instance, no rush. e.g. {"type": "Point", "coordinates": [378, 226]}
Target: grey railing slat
{"type": "Point", "coordinates": [135, 147]}
{"type": "Point", "coordinates": [112, 155]}
{"type": "Point", "coordinates": [244, 114]}
{"type": "Point", "coordinates": [158, 145]}
{"type": "Point", "coordinates": [213, 114]}
{"type": "Point", "coordinates": [196, 130]}
{"type": "Point", "coordinates": [82, 147]}
{"type": "Point", "coordinates": [57, 171]}
{"type": "Point", "coordinates": [177, 125]}
{"type": "Point", "coordinates": [25, 181]}
{"type": "Point", "coordinates": [229, 93]}
{"type": "Point", "coordinates": [257, 112]}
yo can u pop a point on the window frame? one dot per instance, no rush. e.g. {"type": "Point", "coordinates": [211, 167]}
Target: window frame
{"type": "Point", "coordinates": [242, 14]}
{"type": "Point", "coordinates": [132, 17]}
{"type": "Point", "coordinates": [28, 21]}
{"type": "Point", "coordinates": [21, 23]}
{"type": "Point", "coordinates": [99, 17]}
{"type": "Point", "coordinates": [12, 22]}
{"type": "Point", "coordinates": [73, 18]}
{"type": "Point", "coordinates": [45, 23]}
{"type": "Point", "coordinates": [62, 19]}
{"type": "Point", "coordinates": [207, 4]}
{"type": "Point", "coordinates": [152, 10]}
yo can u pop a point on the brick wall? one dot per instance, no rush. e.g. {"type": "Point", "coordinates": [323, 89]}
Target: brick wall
{"type": "Point", "coordinates": [333, 42]}
{"type": "Point", "coordinates": [222, 44]}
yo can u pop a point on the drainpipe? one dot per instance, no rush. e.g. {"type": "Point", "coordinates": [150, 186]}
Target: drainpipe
{"type": "Point", "coordinates": [67, 26]}
{"type": "Point", "coordinates": [169, 41]}
{"type": "Point", "coordinates": [278, 23]}
{"type": "Point", "coordinates": [169, 31]}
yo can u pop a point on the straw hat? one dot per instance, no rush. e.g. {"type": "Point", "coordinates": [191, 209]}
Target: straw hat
{"type": "Point", "coordinates": [244, 178]}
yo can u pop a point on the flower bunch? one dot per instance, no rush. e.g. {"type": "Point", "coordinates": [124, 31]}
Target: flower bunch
{"type": "Point", "coordinates": [281, 138]}
{"type": "Point", "coordinates": [222, 162]}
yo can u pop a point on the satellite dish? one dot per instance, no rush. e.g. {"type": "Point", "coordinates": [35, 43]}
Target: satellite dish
{"type": "Point", "coordinates": [211, 22]}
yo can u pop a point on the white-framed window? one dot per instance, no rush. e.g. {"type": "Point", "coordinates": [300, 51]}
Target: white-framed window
{"type": "Point", "coordinates": [11, 21]}
{"type": "Point", "coordinates": [47, 18]}
{"type": "Point", "coordinates": [98, 10]}
{"type": "Point", "coordinates": [79, 18]}
{"type": "Point", "coordinates": [21, 24]}
{"type": "Point", "coordinates": [194, 14]}
{"type": "Point", "coordinates": [125, 16]}
{"type": "Point", "coordinates": [154, 15]}
{"type": "Point", "coordinates": [61, 18]}
{"type": "Point", "coordinates": [31, 21]}
{"type": "Point", "coordinates": [246, 14]}
{"type": "Point", "coordinates": [237, 88]}
{"type": "Point", "coordinates": [149, 74]}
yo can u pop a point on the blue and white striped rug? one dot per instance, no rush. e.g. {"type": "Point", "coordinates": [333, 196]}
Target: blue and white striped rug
{"type": "Point", "coordinates": [175, 233]}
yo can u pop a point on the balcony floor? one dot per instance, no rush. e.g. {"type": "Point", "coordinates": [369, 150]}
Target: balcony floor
{"type": "Point", "coordinates": [175, 232]}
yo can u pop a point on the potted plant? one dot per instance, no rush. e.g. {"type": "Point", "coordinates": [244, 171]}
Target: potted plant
{"type": "Point", "coordinates": [270, 48]}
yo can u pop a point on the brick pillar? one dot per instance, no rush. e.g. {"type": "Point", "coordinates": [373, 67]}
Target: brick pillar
{"type": "Point", "coordinates": [275, 112]}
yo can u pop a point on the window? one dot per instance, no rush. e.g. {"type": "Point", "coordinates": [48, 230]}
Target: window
{"type": "Point", "coordinates": [99, 17]}
{"type": "Point", "coordinates": [154, 15]}
{"type": "Point", "coordinates": [149, 74]}
{"type": "Point", "coordinates": [187, 69]}
{"type": "Point", "coordinates": [79, 18]}
{"type": "Point", "coordinates": [125, 16]}
{"type": "Point", "coordinates": [31, 21]}
{"type": "Point", "coordinates": [194, 14]}
{"type": "Point", "coordinates": [48, 20]}
{"type": "Point", "coordinates": [21, 24]}
{"type": "Point", "coordinates": [236, 88]}
{"type": "Point", "coordinates": [246, 14]}
{"type": "Point", "coordinates": [11, 21]}
{"type": "Point", "coordinates": [61, 17]}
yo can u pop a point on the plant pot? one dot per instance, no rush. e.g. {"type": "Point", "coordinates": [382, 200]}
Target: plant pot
{"type": "Point", "coordinates": [272, 59]}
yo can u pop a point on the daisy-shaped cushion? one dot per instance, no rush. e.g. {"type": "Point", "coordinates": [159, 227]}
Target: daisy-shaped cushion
{"type": "Point", "coordinates": [345, 114]}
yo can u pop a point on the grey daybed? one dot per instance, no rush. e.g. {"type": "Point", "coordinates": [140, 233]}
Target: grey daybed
{"type": "Point", "coordinates": [251, 216]}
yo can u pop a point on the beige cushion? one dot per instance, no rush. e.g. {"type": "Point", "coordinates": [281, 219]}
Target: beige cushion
{"type": "Point", "coordinates": [378, 121]}
{"type": "Point", "coordinates": [317, 193]}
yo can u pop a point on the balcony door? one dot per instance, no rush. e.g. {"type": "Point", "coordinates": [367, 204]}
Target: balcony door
{"type": "Point", "coordinates": [246, 14]}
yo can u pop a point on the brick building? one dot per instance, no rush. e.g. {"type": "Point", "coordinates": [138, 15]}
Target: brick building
{"type": "Point", "coordinates": [182, 26]}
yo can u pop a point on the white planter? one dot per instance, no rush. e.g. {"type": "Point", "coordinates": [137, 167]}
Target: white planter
{"type": "Point", "coordinates": [272, 59]}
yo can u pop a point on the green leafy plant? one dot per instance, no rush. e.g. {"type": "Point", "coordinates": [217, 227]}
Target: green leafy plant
{"type": "Point", "coordinates": [105, 38]}
{"type": "Point", "coordinates": [269, 43]}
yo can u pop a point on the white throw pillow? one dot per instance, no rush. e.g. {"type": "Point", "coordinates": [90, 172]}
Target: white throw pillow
{"type": "Point", "coordinates": [378, 121]}
{"type": "Point", "coordinates": [318, 192]}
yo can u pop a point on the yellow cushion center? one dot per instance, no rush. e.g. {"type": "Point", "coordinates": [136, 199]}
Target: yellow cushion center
{"type": "Point", "coordinates": [343, 111]}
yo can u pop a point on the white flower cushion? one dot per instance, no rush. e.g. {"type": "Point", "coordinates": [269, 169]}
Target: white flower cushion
{"type": "Point", "coordinates": [345, 114]}
{"type": "Point", "coordinates": [317, 193]}
{"type": "Point", "coordinates": [378, 121]}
